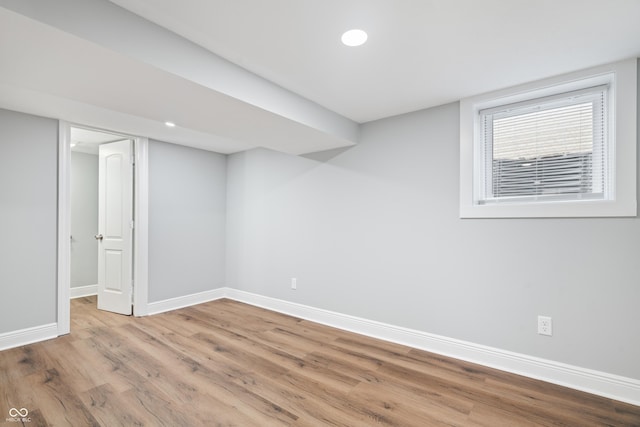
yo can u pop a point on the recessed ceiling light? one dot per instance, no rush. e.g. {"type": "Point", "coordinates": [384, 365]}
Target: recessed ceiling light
{"type": "Point", "coordinates": [170, 124]}
{"type": "Point", "coordinates": [354, 37]}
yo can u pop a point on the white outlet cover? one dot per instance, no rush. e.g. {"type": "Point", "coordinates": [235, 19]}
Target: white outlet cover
{"type": "Point", "coordinates": [545, 325]}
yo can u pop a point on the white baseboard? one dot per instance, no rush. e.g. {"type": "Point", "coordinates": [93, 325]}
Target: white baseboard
{"type": "Point", "coordinates": [184, 301]}
{"type": "Point", "coordinates": [83, 291]}
{"type": "Point", "coordinates": [596, 382]}
{"type": "Point", "coordinates": [28, 336]}
{"type": "Point", "coordinates": [588, 380]}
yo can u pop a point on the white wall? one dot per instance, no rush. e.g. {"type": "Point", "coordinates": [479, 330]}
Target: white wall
{"type": "Point", "coordinates": [187, 211]}
{"type": "Point", "coordinates": [374, 232]}
{"type": "Point", "coordinates": [84, 219]}
{"type": "Point", "coordinates": [28, 213]}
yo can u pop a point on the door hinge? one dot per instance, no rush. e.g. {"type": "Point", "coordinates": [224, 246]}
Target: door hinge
{"type": "Point", "coordinates": [132, 225]}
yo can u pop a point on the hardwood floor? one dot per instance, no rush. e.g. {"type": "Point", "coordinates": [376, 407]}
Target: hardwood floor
{"type": "Point", "coordinates": [225, 363]}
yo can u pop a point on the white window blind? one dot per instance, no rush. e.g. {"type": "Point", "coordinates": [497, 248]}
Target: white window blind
{"type": "Point", "coordinates": [553, 148]}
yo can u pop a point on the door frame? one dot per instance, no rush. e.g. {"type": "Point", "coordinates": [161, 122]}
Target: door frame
{"type": "Point", "coordinates": [140, 230]}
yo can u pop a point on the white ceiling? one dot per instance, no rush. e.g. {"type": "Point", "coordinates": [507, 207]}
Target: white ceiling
{"type": "Point", "coordinates": [92, 63]}
{"type": "Point", "coordinates": [420, 53]}
{"type": "Point", "coordinates": [287, 82]}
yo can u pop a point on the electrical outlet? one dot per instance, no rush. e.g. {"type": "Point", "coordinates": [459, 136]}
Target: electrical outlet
{"type": "Point", "coordinates": [545, 326]}
{"type": "Point", "coordinates": [294, 283]}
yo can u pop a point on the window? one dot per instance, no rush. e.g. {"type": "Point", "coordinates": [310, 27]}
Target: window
{"type": "Point", "coordinates": [547, 149]}
{"type": "Point", "coordinates": [555, 148]}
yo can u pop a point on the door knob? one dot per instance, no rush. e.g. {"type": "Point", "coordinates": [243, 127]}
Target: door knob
{"type": "Point", "coordinates": [98, 236]}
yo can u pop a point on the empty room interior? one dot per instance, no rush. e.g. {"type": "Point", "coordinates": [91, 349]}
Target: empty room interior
{"type": "Point", "coordinates": [309, 213]}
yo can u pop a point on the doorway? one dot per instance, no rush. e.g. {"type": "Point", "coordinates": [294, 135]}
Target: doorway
{"type": "Point", "coordinates": [83, 272]}
{"type": "Point", "coordinates": [80, 249]}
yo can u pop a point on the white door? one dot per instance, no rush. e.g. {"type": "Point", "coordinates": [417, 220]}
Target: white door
{"type": "Point", "coordinates": [115, 223]}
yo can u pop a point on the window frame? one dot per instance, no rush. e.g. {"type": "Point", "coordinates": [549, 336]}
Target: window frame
{"type": "Point", "coordinates": [621, 145]}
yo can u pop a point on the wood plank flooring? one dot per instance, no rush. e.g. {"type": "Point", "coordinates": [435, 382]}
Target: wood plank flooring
{"type": "Point", "coordinates": [225, 363]}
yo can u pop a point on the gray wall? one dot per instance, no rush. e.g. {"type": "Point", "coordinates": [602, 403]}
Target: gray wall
{"type": "Point", "coordinates": [84, 219]}
{"type": "Point", "coordinates": [374, 232]}
{"type": "Point", "coordinates": [187, 210]}
{"type": "Point", "coordinates": [28, 215]}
